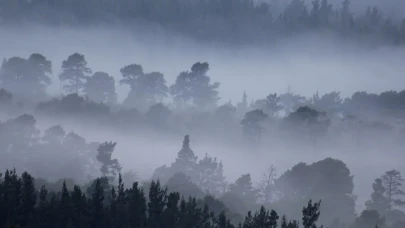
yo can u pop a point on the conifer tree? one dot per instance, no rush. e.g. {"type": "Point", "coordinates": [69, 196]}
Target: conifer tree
{"type": "Point", "coordinates": [392, 181]}
{"type": "Point", "coordinates": [42, 219]}
{"type": "Point", "coordinates": [248, 223]}
{"type": "Point", "coordinates": [97, 205]}
{"type": "Point", "coordinates": [64, 206]}
{"type": "Point", "coordinates": [310, 215]}
{"type": "Point", "coordinates": [79, 207]}
{"type": "Point", "coordinates": [186, 161]}
{"type": "Point", "coordinates": [28, 200]}
{"type": "Point", "coordinates": [75, 72]}
{"type": "Point", "coordinates": [156, 204]}
{"type": "Point", "coordinates": [171, 212]}
{"type": "Point", "coordinates": [136, 207]}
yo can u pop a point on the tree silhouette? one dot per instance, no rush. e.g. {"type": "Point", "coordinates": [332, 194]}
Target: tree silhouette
{"type": "Point", "coordinates": [156, 204]}
{"type": "Point", "coordinates": [100, 87]}
{"type": "Point", "coordinates": [392, 181]}
{"type": "Point", "coordinates": [130, 74]}
{"type": "Point", "coordinates": [75, 72]}
{"type": "Point", "coordinates": [369, 218]}
{"type": "Point", "coordinates": [243, 188]}
{"type": "Point", "coordinates": [309, 122]}
{"type": "Point", "coordinates": [271, 105]}
{"type": "Point", "coordinates": [26, 76]}
{"type": "Point", "coordinates": [186, 161]}
{"type": "Point", "coordinates": [252, 124]}
{"type": "Point", "coordinates": [110, 167]}
{"type": "Point", "coordinates": [194, 87]}
{"type": "Point", "coordinates": [212, 177]}
{"type": "Point", "coordinates": [379, 200]}
{"type": "Point", "coordinates": [266, 185]}
{"type": "Point", "coordinates": [103, 206]}
{"type": "Point", "coordinates": [152, 88]}
{"type": "Point", "coordinates": [310, 215]}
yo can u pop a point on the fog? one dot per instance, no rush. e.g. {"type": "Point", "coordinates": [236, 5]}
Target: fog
{"type": "Point", "coordinates": [305, 64]}
{"type": "Point", "coordinates": [143, 152]}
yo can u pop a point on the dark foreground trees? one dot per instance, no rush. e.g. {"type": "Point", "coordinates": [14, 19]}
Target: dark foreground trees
{"type": "Point", "coordinates": [21, 205]}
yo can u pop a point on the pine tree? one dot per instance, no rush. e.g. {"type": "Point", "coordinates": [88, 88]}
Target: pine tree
{"type": "Point", "coordinates": [310, 215]}
{"type": "Point", "coordinates": [53, 211]}
{"type": "Point", "coordinates": [272, 219]}
{"type": "Point", "coordinates": [64, 207]}
{"type": "Point", "coordinates": [121, 218]}
{"type": "Point", "coordinates": [392, 181]}
{"type": "Point", "coordinates": [260, 218]}
{"type": "Point", "coordinates": [28, 200]}
{"type": "Point", "coordinates": [206, 219]}
{"type": "Point", "coordinates": [194, 213]}
{"type": "Point", "coordinates": [97, 207]}
{"type": "Point", "coordinates": [186, 161]}
{"type": "Point", "coordinates": [12, 197]}
{"type": "Point", "coordinates": [171, 212]}
{"type": "Point", "coordinates": [79, 207]}
{"type": "Point", "coordinates": [248, 223]}
{"type": "Point", "coordinates": [283, 222]}
{"type": "Point", "coordinates": [156, 204]}
{"type": "Point", "coordinates": [75, 71]}
{"type": "Point", "coordinates": [223, 222]}
{"type": "Point", "coordinates": [41, 213]}
{"type": "Point", "coordinates": [136, 207]}
{"type": "Point", "coordinates": [182, 214]}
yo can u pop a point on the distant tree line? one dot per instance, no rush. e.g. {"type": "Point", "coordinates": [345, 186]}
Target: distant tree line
{"type": "Point", "coordinates": [190, 104]}
{"type": "Point", "coordinates": [225, 20]}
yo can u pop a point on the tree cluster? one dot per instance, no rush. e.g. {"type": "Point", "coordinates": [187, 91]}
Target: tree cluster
{"type": "Point", "coordinates": [22, 205]}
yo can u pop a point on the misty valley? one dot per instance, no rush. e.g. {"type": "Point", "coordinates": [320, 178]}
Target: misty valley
{"type": "Point", "coordinates": [202, 114]}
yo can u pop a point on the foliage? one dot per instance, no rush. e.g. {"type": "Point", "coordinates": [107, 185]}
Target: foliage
{"type": "Point", "coordinates": [100, 87]}
{"type": "Point", "coordinates": [194, 87]}
{"type": "Point", "coordinates": [328, 179]}
{"type": "Point", "coordinates": [102, 206]}
{"type": "Point", "coordinates": [206, 173]}
{"type": "Point", "coordinates": [110, 167]}
{"type": "Point", "coordinates": [28, 77]}
{"type": "Point", "coordinates": [75, 72]}
{"type": "Point", "coordinates": [252, 124]}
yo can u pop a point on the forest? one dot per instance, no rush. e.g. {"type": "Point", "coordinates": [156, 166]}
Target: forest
{"type": "Point", "coordinates": [60, 178]}
{"type": "Point", "coordinates": [225, 21]}
{"type": "Point", "coordinates": [170, 114]}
